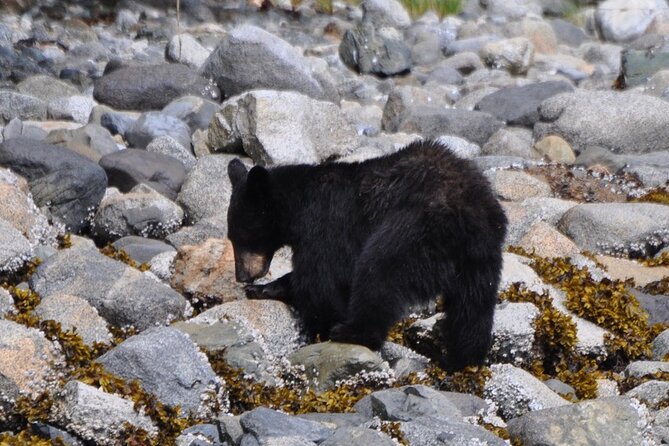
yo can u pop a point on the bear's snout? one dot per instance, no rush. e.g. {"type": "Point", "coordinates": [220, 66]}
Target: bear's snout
{"type": "Point", "coordinates": [250, 266]}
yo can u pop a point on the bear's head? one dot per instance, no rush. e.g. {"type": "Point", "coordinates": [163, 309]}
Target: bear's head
{"type": "Point", "coordinates": [252, 226]}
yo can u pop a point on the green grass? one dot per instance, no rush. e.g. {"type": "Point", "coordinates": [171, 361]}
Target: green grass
{"type": "Point", "coordinates": [442, 7]}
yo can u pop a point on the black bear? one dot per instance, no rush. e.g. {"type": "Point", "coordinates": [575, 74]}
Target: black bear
{"type": "Point", "coordinates": [371, 238]}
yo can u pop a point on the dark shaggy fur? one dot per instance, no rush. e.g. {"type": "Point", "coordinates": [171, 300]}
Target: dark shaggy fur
{"type": "Point", "coordinates": [371, 238]}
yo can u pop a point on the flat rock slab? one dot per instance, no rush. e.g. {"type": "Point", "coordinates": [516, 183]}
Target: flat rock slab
{"type": "Point", "coordinates": [434, 121]}
{"type": "Point", "coordinates": [250, 58]}
{"type": "Point", "coordinates": [409, 403]}
{"type": "Point", "coordinates": [621, 122]}
{"type": "Point", "coordinates": [67, 183]}
{"type": "Point", "coordinates": [263, 423]}
{"type": "Point", "coordinates": [166, 363]}
{"type": "Point", "coordinates": [121, 294]}
{"type": "Point", "coordinates": [629, 269]}
{"type": "Point", "coordinates": [130, 167]}
{"type": "Point", "coordinates": [520, 105]}
{"type": "Point", "coordinates": [616, 227]}
{"type": "Point", "coordinates": [328, 362]}
{"type": "Point", "coordinates": [600, 422]}
{"type": "Point", "coordinates": [151, 87]}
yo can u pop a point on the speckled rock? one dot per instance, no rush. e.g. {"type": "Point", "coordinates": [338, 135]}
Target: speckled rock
{"type": "Point", "coordinates": [76, 108]}
{"type": "Point", "coordinates": [128, 168]}
{"type": "Point", "coordinates": [206, 272]}
{"type": "Point", "coordinates": [262, 424]}
{"type": "Point", "coordinates": [142, 211]}
{"type": "Point", "coordinates": [661, 346]}
{"type": "Point", "coordinates": [67, 183]}
{"type": "Point", "coordinates": [510, 141]}
{"type": "Point", "coordinates": [546, 241]}
{"type": "Point", "coordinates": [524, 214]}
{"type": "Point", "coordinates": [270, 63]}
{"type": "Point", "coordinates": [27, 360]}
{"type": "Point", "coordinates": [381, 52]}
{"type": "Point", "coordinates": [206, 189]}
{"type": "Point", "coordinates": [6, 303]}
{"type": "Point", "coordinates": [46, 88]}
{"type": "Point", "coordinates": [639, 369]}
{"type": "Point", "coordinates": [121, 294]}
{"type": "Point", "coordinates": [599, 422]}
{"type": "Point", "coordinates": [619, 23]}
{"type": "Point", "coordinates": [409, 403]}
{"type": "Point", "coordinates": [17, 105]}
{"type": "Point", "coordinates": [237, 344]}
{"type": "Point", "coordinates": [185, 49]}
{"type": "Point", "coordinates": [328, 362]}
{"type": "Point", "coordinates": [275, 323]}
{"type": "Point", "coordinates": [151, 87]}
{"type": "Point", "coordinates": [556, 149]}
{"type": "Point", "coordinates": [282, 127]}
{"type": "Point", "coordinates": [19, 209]}
{"type": "Point", "coordinates": [617, 227]}
{"type": "Point", "coordinates": [15, 250]}
{"type": "Point", "coordinates": [385, 13]}
{"type": "Point", "coordinates": [517, 186]}
{"type": "Point", "coordinates": [142, 249]}
{"type": "Point", "coordinates": [515, 55]}
{"type": "Point", "coordinates": [358, 436]}
{"type": "Point", "coordinates": [96, 415]}
{"type": "Point", "coordinates": [513, 332]}
{"type": "Point", "coordinates": [516, 392]}
{"type": "Point", "coordinates": [166, 363]}
{"type": "Point", "coordinates": [74, 312]}
{"type": "Point", "coordinates": [652, 393]}
{"type": "Point", "coordinates": [620, 122]}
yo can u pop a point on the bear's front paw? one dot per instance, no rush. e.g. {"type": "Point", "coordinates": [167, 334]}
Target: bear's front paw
{"type": "Point", "coordinates": [254, 291]}
{"type": "Point", "coordinates": [272, 290]}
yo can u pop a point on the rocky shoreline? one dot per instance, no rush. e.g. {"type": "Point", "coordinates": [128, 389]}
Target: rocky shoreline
{"type": "Point", "coordinates": [121, 321]}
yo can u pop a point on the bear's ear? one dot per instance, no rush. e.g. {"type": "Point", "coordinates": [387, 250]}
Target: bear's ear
{"type": "Point", "coordinates": [236, 171]}
{"type": "Point", "coordinates": [257, 182]}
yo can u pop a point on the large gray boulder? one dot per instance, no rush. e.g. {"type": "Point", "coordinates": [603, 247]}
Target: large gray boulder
{"type": "Point", "coordinates": [599, 422]}
{"type": "Point", "coordinates": [620, 122]}
{"type": "Point", "coordinates": [250, 58]}
{"type": "Point", "coordinates": [520, 105]}
{"type": "Point", "coordinates": [122, 295]}
{"type": "Point", "coordinates": [65, 182]}
{"type": "Point", "coordinates": [381, 52]}
{"type": "Point", "coordinates": [166, 363]}
{"type": "Point", "coordinates": [97, 416]}
{"type": "Point", "coordinates": [282, 127]}
{"type": "Point", "coordinates": [435, 121]}
{"type": "Point", "coordinates": [622, 21]}
{"type": "Point", "coordinates": [151, 87]}
{"type": "Point", "coordinates": [617, 227]}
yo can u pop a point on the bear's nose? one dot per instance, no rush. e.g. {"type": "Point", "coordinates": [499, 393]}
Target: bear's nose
{"type": "Point", "coordinates": [243, 276]}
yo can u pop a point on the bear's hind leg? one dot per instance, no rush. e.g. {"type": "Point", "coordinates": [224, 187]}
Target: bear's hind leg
{"type": "Point", "coordinates": [470, 300]}
{"type": "Point", "coordinates": [389, 275]}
